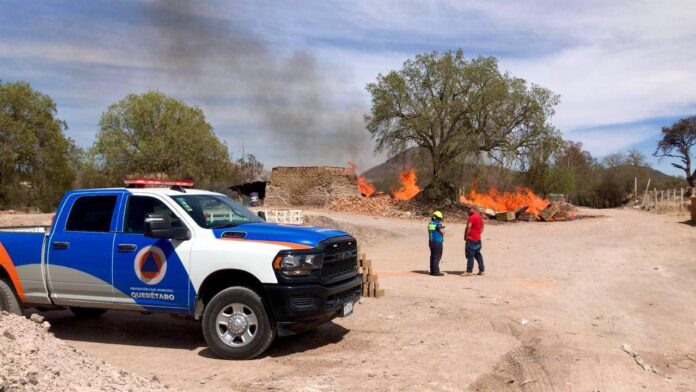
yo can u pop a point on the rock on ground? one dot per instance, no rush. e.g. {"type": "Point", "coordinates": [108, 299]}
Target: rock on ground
{"type": "Point", "coordinates": [32, 359]}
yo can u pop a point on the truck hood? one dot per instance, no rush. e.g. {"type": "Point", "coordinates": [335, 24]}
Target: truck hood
{"type": "Point", "coordinates": [272, 232]}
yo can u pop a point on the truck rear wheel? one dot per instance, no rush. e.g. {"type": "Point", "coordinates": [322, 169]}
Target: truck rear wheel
{"type": "Point", "coordinates": [235, 324]}
{"type": "Point", "coordinates": [8, 299]}
{"type": "Point", "coordinates": [87, 312]}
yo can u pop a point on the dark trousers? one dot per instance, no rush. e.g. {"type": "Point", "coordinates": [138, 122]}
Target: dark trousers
{"type": "Point", "coordinates": [435, 256]}
{"type": "Point", "coordinates": [473, 251]}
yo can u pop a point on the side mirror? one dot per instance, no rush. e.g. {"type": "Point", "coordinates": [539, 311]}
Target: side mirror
{"type": "Point", "coordinates": [159, 226]}
{"type": "Point", "coordinates": [261, 215]}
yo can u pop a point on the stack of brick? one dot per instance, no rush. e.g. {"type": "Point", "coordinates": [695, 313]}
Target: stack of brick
{"type": "Point", "coordinates": [370, 279]}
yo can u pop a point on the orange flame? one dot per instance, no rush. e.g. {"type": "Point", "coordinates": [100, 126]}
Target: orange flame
{"type": "Point", "coordinates": [365, 188]}
{"type": "Point", "coordinates": [409, 188]}
{"type": "Point", "coordinates": [507, 201]}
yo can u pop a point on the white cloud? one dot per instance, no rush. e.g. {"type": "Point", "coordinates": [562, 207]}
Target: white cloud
{"type": "Point", "coordinates": [613, 62]}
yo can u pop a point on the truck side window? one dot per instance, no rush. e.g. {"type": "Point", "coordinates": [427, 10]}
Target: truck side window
{"type": "Point", "coordinates": [91, 213]}
{"type": "Point", "coordinates": [139, 206]}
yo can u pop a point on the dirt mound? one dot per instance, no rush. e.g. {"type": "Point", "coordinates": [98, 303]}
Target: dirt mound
{"type": "Point", "coordinates": [32, 359]}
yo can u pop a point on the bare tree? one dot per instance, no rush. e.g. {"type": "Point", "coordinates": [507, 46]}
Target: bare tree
{"type": "Point", "coordinates": [677, 142]}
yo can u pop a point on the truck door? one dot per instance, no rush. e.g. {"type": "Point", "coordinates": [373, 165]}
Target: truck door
{"type": "Point", "coordinates": [150, 272]}
{"type": "Point", "coordinates": [80, 249]}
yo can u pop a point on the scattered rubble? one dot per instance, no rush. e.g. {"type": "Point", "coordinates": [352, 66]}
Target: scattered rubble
{"type": "Point", "coordinates": [385, 205]}
{"type": "Point", "coordinates": [32, 359]}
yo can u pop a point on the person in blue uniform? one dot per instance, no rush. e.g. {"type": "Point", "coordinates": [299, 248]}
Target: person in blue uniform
{"type": "Point", "coordinates": [436, 238]}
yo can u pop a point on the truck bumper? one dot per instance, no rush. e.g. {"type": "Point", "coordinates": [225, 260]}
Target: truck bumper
{"type": "Point", "coordinates": [304, 306]}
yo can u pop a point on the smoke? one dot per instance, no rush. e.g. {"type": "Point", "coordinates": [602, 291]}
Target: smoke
{"type": "Point", "coordinates": [290, 97]}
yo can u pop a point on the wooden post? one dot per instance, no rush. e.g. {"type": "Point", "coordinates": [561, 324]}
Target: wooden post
{"type": "Point", "coordinates": [674, 198]}
{"type": "Point", "coordinates": [662, 199]}
{"type": "Point", "coordinates": [645, 198]}
{"type": "Point", "coordinates": [681, 198]}
{"type": "Point", "coordinates": [635, 188]}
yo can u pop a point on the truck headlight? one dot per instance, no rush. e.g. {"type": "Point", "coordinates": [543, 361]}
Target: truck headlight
{"type": "Point", "coordinates": [298, 264]}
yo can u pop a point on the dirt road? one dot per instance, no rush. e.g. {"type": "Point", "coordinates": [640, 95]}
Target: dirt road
{"type": "Point", "coordinates": [558, 303]}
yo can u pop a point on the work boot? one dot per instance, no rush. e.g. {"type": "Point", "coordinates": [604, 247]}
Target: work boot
{"type": "Point", "coordinates": [481, 273]}
{"type": "Point", "coordinates": [466, 273]}
{"type": "Point", "coordinates": [437, 274]}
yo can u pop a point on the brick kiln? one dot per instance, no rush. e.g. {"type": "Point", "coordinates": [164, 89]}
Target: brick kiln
{"type": "Point", "coordinates": [309, 186]}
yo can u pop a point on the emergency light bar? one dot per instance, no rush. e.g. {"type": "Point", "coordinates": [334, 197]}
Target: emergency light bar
{"type": "Point", "coordinates": [141, 182]}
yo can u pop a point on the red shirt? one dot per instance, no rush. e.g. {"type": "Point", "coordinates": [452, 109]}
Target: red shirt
{"type": "Point", "coordinates": [476, 223]}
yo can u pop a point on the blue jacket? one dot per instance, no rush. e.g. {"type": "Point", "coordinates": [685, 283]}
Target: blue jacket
{"type": "Point", "coordinates": [434, 231]}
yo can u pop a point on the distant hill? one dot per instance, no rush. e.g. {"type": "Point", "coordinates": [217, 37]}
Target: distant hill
{"type": "Point", "coordinates": [385, 175]}
{"type": "Point", "coordinates": [657, 179]}
{"type": "Point", "coordinates": [393, 166]}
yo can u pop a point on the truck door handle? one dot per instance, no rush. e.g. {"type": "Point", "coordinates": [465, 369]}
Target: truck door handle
{"type": "Point", "coordinates": [60, 245]}
{"type": "Point", "coordinates": [127, 247]}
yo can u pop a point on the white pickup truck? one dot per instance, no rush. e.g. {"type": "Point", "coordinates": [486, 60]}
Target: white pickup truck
{"type": "Point", "coordinates": [156, 249]}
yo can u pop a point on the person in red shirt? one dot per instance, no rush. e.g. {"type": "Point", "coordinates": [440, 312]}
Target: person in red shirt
{"type": "Point", "coordinates": [472, 238]}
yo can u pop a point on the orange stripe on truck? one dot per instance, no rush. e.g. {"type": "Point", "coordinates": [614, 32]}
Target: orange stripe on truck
{"type": "Point", "coordinates": [6, 262]}
{"type": "Point", "coordinates": [291, 245]}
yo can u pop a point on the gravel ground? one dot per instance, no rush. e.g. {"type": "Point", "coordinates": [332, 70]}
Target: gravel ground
{"type": "Point", "coordinates": [559, 304]}
{"type": "Point", "coordinates": [32, 359]}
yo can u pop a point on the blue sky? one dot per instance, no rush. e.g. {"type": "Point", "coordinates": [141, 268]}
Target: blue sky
{"type": "Point", "coordinates": [286, 80]}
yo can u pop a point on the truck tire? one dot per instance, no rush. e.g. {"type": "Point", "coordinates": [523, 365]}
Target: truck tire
{"type": "Point", "coordinates": [235, 324]}
{"type": "Point", "coordinates": [86, 313]}
{"type": "Point", "coordinates": [8, 299]}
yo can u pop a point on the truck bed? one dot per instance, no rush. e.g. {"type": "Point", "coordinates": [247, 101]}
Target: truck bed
{"type": "Point", "coordinates": [25, 229]}
{"type": "Point", "coordinates": [21, 250]}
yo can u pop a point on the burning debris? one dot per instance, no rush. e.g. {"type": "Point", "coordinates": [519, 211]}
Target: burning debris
{"type": "Point", "coordinates": [408, 185]}
{"type": "Point", "coordinates": [522, 204]}
{"type": "Point", "coordinates": [366, 189]}
{"type": "Point", "coordinates": [507, 201]}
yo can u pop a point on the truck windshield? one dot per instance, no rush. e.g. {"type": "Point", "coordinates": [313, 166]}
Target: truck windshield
{"type": "Point", "coordinates": [215, 211]}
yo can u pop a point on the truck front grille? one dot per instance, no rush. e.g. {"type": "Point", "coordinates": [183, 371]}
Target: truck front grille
{"type": "Point", "coordinates": [342, 297]}
{"type": "Point", "coordinates": [340, 258]}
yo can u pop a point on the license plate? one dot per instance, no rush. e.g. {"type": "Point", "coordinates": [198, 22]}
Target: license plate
{"type": "Point", "coordinates": [347, 309]}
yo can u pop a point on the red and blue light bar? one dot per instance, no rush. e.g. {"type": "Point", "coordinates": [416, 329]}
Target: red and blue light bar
{"type": "Point", "coordinates": [155, 182]}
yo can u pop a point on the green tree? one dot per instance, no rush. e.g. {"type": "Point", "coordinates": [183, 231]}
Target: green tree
{"type": "Point", "coordinates": [584, 169]}
{"type": "Point", "coordinates": [37, 161]}
{"type": "Point", "coordinates": [152, 134]}
{"type": "Point", "coordinates": [542, 174]}
{"type": "Point", "coordinates": [677, 142]}
{"type": "Point", "coordinates": [455, 108]}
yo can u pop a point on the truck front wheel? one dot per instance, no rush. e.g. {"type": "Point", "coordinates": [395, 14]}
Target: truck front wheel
{"type": "Point", "coordinates": [235, 324]}
{"type": "Point", "coordinates": [8, 299]}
